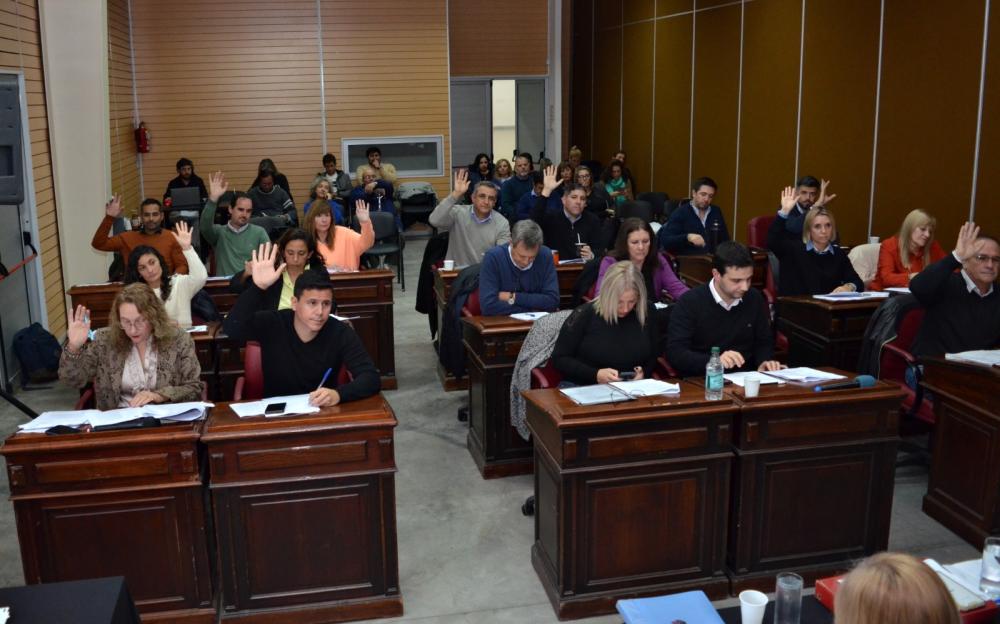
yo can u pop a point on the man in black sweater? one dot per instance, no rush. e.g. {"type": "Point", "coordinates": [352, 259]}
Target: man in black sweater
{"type": "Point", "coordinates": [572, 231]}
{"type": "Point", "coordinates": [726, 313]}
{"type": "Point", "coordinates": [298, 346]}
{"type": "Point", "coordinates": [963, 308]}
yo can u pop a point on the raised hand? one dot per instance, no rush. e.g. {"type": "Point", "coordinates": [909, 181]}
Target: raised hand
{"type": "Point", "coordinates": [114, 207]}
{"type": "Point", "coordinates": [182, 232]}
{"type": "Point", "coordinates": [824, 199]}
{"type": "Point", "coordinates": [217, 185]}
{"type": "Point", "coordinates": [461, 184]}
{"type": "Point", "coordinates": [788, 199]}
{"type": "Point", "coordinates": [551, 180]}
{"type": "Point", "coordinates": [361, 211]}
{"type": "Point", "coordinates": [262, 266]}
{"type": "Point", "coordinates": [966, 246]}
{"type": "Point", "coordinates": [79, 329]}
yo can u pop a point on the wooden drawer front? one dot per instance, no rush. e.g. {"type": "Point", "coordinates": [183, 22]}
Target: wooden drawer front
{"type": "Point", "coordinates": [365, 293]}
{"type": "Point", "coordinates": [156, 464]}
{"type": "Point", "coordinates": [315, 455]}
{"type": "Point", "coordinates": [827, 423]}
{"type": "Point", "coordinates": [639, 444]}
{"type": "Point", "coordinates": [98, 470]}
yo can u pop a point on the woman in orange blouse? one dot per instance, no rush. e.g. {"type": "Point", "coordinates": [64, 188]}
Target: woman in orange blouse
{"type": "Point", "coordinates": [340, 247]}
{"type": "Point", "coordinates": [898, 262]}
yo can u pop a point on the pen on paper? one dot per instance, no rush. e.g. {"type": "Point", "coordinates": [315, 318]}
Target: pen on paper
{"type": "Point", "coordinates": [326, 376]}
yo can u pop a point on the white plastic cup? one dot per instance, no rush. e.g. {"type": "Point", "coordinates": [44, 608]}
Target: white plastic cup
{"type": "Point", "coordinates": [873, 240]}
{"type": "Point", "coordinates": [751, 387]}
{"type": "Point", "coordinates": [449, 265]}
{"type": "Point", "coordinates": [752, 605]}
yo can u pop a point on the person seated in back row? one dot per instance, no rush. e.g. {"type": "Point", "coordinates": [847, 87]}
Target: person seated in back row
{"type": "Point", "coordinates": [726, 313]}
{"type": "Point", "coordinates": [233, 242]}
{"type": "Point", "coordinates": [150, 234]}
{"type": "Point", "coordinates": [571, 230]}
{"type": "Point", "coordinates": [519, 276]}
{"type": "Point", "coordinates": [297, 254]}
{"type": "Point", "coordinates": [472, 230]}
{"type": "Point", "coordinates": [903, 256]}
{"type": "Point", "coordinates": [809, 193]}
{"type": "Point", "coordinates": [697, 225]}
{"type": "Point", "coordinates": [526, 204]}
{"type": "Point", "coordinates": [814, 265]}
{"type": "Point", "coordinates": [299, 345]}
{"type": "Point", "coordinates": [613, 334]}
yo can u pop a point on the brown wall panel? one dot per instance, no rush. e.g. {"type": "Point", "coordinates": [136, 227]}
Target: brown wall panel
{"type": "Point", "coordinates": [672, 7]}
{"type": "Point", "coordinates": [607, 93]}
{"type": "Point", "coordinates": [716, 82]}
{"type": "Point", "coordinates": [637, 120]}
{"type": "Point", "coordinates": [838, 105]}
{"type": "Point", "coordinates": [927, 119]}
{"type": "Point", "coordinates": [635, 10]}
{"type": "Point", "coordinates": [672, 131]}
{"type": "Point", "coordinates": [608, 13]}
{"type": "Point", "coordinates": [769, 108]}
{"type": "Point", "coordinates": [987, 207]}
{"type": "Point", "coordinates": [124, 159]}
{"type": "Point", "coordinates": [581, 87]}
{"type": "Point", "coordinates": [20, 50]}
{"type": "Point", "coordinates": [484, 41]}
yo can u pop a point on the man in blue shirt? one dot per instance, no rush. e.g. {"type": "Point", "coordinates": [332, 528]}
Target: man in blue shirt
{"type": "Point", "coordinates": [515, 188]}
{"type": "Point", "coordinates": [697, 225]}
{"type": "Point", "coordinates": [519, 276]}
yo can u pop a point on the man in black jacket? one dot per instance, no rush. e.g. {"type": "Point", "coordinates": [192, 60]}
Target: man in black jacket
{"type": "Point", "coordinates": [570, 230]}
{"type": "Point", "coordinates": [726, 313]}
{"type": "Point", "coordinates": [298, 346]}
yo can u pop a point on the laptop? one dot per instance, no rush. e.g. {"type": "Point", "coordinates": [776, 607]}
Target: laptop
{"type": "Point", "coordinates": [187, 199]}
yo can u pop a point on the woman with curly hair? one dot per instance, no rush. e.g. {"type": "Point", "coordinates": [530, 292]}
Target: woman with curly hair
{"type": "Point", "coordinates": [147, 265]}
{"type": "Point", "coordinates": [141, 357]}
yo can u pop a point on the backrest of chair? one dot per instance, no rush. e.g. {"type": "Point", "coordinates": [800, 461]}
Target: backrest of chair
{"type": "Point", "coordinates": [545, 376]}
{"type": "Point", "coordinates": [472, 306]}
{"type": "Point", "coordinates": [384, 224]}
{"type": "Point", "coordinates": [637, 208]}
{"type": "Point", "coordinates": [657, 200]}
{"type": "Point", "coordinates": [344, 376]}
{"type": "Point", "coordinates": [892, 367]}
{"type": "Point", "coordinates": [253, 372]}
{"type": "Point", "coordinates": [757, 230]}
{"type": "Point", "coordinates": [591, 293]}
{"type": "Point", "coordinates": [864, 259]}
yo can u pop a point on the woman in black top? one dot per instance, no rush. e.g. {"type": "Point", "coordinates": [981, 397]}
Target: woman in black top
{"type": "Point", "coordinates": [815, 266]}
{"type": "Point", "coordinates": [612, 334]}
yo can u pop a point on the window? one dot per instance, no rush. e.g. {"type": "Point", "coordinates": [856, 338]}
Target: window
{"type": "Point", "coordinates": [412, 156]}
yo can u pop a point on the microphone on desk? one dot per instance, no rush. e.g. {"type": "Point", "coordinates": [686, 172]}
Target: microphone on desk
{"type": "Point", "coordinates": [861, 381]}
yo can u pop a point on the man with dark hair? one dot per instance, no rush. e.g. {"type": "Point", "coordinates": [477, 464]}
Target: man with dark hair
{"type": "Point", "coordinates": [526, 204]}
{"type": "Point", "coordinates": [726, 313]}
{"type": "Point", "coordinates": [697, 225]}
{"type": "Point", "coordinates": [570, 230]}
{"type": "Point", "coordinates": [186, 178]}
{"type": "Point", "coordinates": [151, 233]}
{"type": "Point", "coordinates": [515, 188]}
{"type": "Point", "coordinates": [383, 170]}
{"type": "Point", "coordinates": [299, 345]}
{"type": "Point", "coordinates": [963, 307]}
{"type": "Point", "coordinates": [234, 242]}
{"type": "Point", "coordinates": [472, 230]}
{"type": "Point", "coordinates": [339, 180]}
{"type": "Point", "coordinates": [809, 193]}
{"type": "Point", "coordinates": [273, 209]}
{"type": "Point", "coordinates": [519, 276]}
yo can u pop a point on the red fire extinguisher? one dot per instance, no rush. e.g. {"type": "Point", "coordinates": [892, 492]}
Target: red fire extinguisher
{"type": "Point", "coordinates": [142, 138]}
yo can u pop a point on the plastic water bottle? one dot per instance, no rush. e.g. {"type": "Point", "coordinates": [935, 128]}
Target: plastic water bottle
{"type": "Point", "coordinates": [713, 377]}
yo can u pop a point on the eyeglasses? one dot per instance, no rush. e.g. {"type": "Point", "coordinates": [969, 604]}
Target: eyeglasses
{"type": "Point", "coordinates": [138, 323]}
{"type": "Point", "coordinates": [984, 259]}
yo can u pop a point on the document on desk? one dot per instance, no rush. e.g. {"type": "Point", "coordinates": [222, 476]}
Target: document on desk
{"type": "Point", "coordinates": [899, 290]}
{"type": "Point", "coordinates": [692, 606]}
{"type": "Point", "coordinates": [618, 391]}
{"type": "Point", "coordinates": [528, 316]}
{"type": "Point", "coordinates": [572, 261]}
{"type": "Point", "coordinates": [194, 329]}
{"type": "Point", "coordinates": [645, 387]}
{"type": "Point", "coordinates": [294, 404]}
{"type": "Point", "coordinates": [739, 379]}
{"type": "Point", "coordinates": [984, 357]}
{"type": "Point", "coordinates": [180, 412]}
{"type": "Point", "coordinates": [803, 374]}
{"type": "Point", "coordinates": [853, 296]}
{"type": "Point", "coordinates": [46, 420]}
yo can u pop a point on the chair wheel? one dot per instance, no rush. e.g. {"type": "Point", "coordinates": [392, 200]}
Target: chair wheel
{"type": "Point", "coordinates": [528, 508]}
{"type": "Point", "coordinates": [463, 414]}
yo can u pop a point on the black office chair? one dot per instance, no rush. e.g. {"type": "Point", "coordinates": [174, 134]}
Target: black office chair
{"type": "Point", "coordinates": [636, 208]}
{"type": "Point", "coordinates": [658, 201]}
{"type": "Point", "coordinates": [388, 242]}
{"type": "Point", "coordinates": [418, 208]}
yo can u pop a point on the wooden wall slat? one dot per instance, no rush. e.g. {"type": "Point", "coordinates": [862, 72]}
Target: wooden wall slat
{"type": "Point", "coordinates": [637, 120]}
{"type": "Point", "coordinates": [987, 210]}
{"type": "Point", "coordinates": [581, 99]}
{"type": "Point", "coordinates": [124, 159]}
{"type": "Point", "coordinates": [485, 41]}
{"type": "Point", "coordinates": [672, 135]}
{"type": "Point", "coordinates": [607, 92]}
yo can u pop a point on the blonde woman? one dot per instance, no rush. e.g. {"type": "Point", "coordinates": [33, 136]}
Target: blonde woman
{"type": "Point", "coordinates": [610, 336]}
{"type": "Point", "coordinates": [141, 357]}
{"type": "Point", "coordinates": [503, 171]}
{"type": "Point", "coordinates": [906, 254]}
{"type": "Point", "coordinates": [340, 247]}
{"type": "Point", "coordinates": [894, 588]}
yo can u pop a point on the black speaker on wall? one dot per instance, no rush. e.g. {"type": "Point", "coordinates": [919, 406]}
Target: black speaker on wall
{"type": "Point", "coordinates": [11, 162]}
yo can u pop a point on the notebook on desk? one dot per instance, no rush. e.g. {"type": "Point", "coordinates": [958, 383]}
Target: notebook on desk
{"type": "Point", "coordinates": [692, 607]}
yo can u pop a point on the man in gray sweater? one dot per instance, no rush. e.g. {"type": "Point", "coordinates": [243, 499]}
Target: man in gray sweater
{"type": "Point", "coordinates": [473, 230]}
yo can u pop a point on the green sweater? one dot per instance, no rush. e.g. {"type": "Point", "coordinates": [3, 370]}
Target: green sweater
{"type": "Point", "coordinates": [232, 249]}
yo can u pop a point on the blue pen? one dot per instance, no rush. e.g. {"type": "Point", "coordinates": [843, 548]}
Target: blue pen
{"type": "Point", "coordinates": [326, 376]}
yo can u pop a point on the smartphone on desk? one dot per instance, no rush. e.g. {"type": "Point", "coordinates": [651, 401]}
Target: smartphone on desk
{"type": "Point", "coordinates": [626, 375]}
{"type": "Point", "coordinates": [274, 409]}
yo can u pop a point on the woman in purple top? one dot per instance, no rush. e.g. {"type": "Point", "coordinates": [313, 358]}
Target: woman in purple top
{"type": "Point", "coordinates": [635, 242]}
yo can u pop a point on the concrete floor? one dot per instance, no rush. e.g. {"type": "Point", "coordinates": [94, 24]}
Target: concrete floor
{"type": "Point", "coordinates": [463, 543]}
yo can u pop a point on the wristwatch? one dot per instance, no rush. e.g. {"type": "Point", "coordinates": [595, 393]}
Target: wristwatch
{"type": "Point", "coordinates": [510, 301]}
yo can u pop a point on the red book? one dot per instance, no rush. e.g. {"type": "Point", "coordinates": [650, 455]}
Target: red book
{"type": "Point", "coordinates": [826, 591]}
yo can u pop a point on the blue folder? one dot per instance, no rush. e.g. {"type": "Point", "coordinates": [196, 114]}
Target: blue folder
{"type": "Point", "coordinates": [692, 607]}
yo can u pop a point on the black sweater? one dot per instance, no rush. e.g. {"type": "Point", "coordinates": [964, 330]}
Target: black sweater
{"type": "Point", "coordinates": [295, 367]}
{"type": "Point", "coordinates": [956, 319]}
{"type": "Point", "coordinates": [587, 343]}
{"type": "Point", "coordinates": [698, 323]}
{"type": "Point", "coordinates": [804, 272]}
{"type": "Point", "coordinates": [561, 234]}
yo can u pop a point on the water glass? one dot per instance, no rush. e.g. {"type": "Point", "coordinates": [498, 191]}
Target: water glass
{"type": "Point", "coordinates": [788, 598]}
{"type": "Point", "coordinates": [989, 576]}
{"type": "Point", "coordinates": [449, 265]}
{"type": "Point", "coordinates": [751, 387]}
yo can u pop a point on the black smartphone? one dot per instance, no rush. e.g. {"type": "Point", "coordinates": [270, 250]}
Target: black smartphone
{"type": "Point", "coordinates": [273, 409]}
{"type": "Point", "coordinates": [626, 375]}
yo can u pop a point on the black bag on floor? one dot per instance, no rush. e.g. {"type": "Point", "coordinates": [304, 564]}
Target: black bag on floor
{"type": "Point", "coordinates": [38, 352]}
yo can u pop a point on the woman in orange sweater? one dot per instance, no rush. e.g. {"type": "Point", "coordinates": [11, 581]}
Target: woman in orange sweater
{"type": "Point", "coordinates": [340, 247]}
{"type": "Point", "coordinates": [899, 261]}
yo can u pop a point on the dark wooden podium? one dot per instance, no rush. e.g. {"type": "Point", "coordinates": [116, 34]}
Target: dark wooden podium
{"type": "Point", "coordinates": [116, 503]}
{"type": "Point", "coordinates": [824, 333]}
{"type": "Point", "coordinates": [491, 345]}
{"type": "Point", "coordinates": [305, 514]}
{"type": "Point", "coordinates": [631, 498]}
{"type": "Point", "coordinates": [812, 481]}
{"type": "Point", "coordinates": [962, 491]}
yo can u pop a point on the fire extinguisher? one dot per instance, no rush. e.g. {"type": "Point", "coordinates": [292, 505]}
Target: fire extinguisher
{"type": "Point", "coordinates": [142, 138]}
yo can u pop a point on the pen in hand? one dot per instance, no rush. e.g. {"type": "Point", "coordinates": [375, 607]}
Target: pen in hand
{"type": "Point", "coordinates": [326, 376]}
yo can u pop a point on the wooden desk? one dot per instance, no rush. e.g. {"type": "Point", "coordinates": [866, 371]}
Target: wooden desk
{"type": "Point", "coordinates": [116, 503]}
{"type": "Point", "coordinates": [492, 344]}
{"type": "Point", "coordinates": [962, 490]}
{"type": "Point", "coordinates": [697, 270]}
{"type": "Point", "coordinates": [365, 297]}
{"type": "Point", "coordinates": [305, 514]}
{"type": "Point", "coordinates": [567, 274]}
{"type": "Point", "coordinates": [812, 481]}
{"type": "Point", "coordinates": [824, 333]}
{"type": "Point", "coordinates": [631, 498]}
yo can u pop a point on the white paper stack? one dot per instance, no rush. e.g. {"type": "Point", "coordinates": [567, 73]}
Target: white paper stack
{"type": "Point", "coordinates": [852, 296]}
{"type": "Point", "coordinates": [528, 316]}
{"type": "Point", "coordinates": [180, 412]}
{"type": "Point", "coordinates": [739, 379]}
{"type": "Point", "coordinates": [294, 404]}
{"type": "Point", "coordinates": [983, 357]}
{"type": "Point", "coordinates": [804, 374]}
